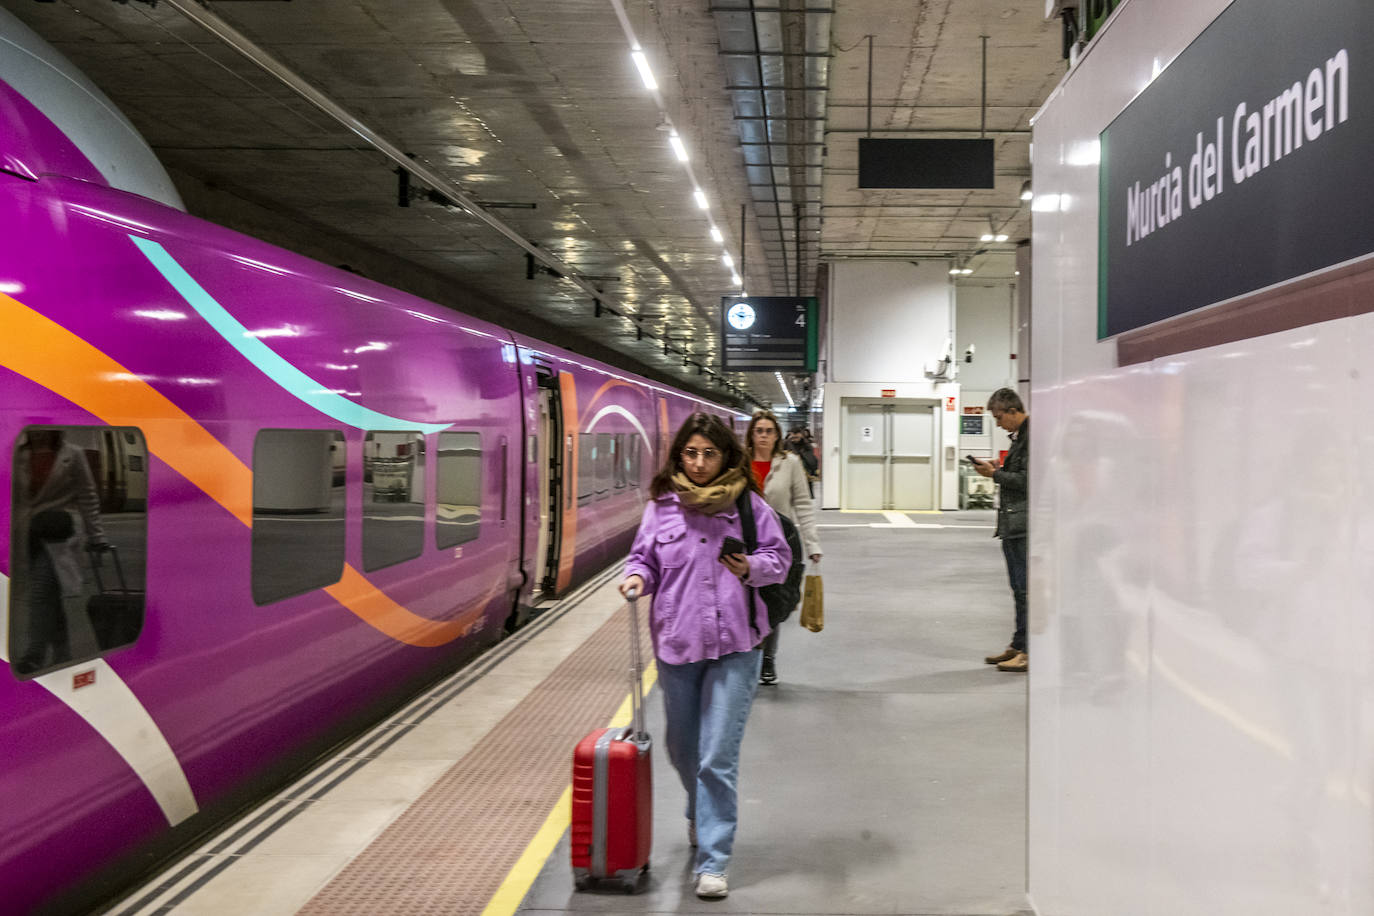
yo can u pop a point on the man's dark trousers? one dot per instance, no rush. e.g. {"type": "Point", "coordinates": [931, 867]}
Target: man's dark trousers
{"type": "Point", "coordinates": [1014, 549]}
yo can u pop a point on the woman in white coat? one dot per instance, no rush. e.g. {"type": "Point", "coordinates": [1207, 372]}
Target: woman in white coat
{"type": "Point", "coordinates": [53, 487]}
{"type": "Point", "coordinates": [782, 478]}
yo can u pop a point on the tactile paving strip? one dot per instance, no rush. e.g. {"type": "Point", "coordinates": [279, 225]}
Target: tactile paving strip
{"type": "Point", "coordinates": [450, 851]}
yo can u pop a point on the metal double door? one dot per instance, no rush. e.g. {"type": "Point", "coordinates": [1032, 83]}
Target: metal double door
{"type": "Point", "coordinates": [889, 449]}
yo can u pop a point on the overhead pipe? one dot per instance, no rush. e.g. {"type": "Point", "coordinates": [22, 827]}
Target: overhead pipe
{"type": "Point", "coordinates": [983, 129]}
{"type": "Point", "coordinates": [869, 100]}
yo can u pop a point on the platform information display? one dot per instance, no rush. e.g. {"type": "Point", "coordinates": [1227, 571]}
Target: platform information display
{"type": "Point", "coordinates": [768, 333]}
{"type": "Point", "coordinates": [1244, 164]}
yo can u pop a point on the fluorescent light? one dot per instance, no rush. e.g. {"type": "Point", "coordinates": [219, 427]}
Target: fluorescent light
{"type": "Point", "coordinates": [678, 149]}
{"type": "Point", "coordinates": [645, 73]}
{"type": "Point", "coordinates": [786, 393]}
{"type": "Point", "coordinates": [716, 236]}
{"type": "Point", "coordinates": [966, 271]}
{"type": "Point", "coordinates": [985, 237]}
{"type": "Point", "coordinates": [1026, 191]}
{"type": "Point", "coordinates": [729, 261]}
{"type": "Point", "coordinates": [1000, 237]}
{"type": "Point", "coordinates": [700, 197]}
{"type": "Point", "coordinates": [735, 279]}
{"type": "Point", "coordinates": [954, 271]}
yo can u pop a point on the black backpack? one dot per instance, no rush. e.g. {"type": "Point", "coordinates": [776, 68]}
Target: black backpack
{"type": "Point", "coordinates": [782, 598]}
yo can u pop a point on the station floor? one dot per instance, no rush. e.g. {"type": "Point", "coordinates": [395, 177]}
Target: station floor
{"type": "Point", "coordinates": [883, 774]}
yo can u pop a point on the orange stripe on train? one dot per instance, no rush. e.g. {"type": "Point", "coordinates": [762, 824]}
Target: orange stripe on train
{"type": "Point", "coordinates": [47, 353]}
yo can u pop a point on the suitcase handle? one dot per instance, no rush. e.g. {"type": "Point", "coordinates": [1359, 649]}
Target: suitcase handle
{"type": "Point", "coordinates": [96, 564]}
{"type": "Point", "coordinates": [636, 672]}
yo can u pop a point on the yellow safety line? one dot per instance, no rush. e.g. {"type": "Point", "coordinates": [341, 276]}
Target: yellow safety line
{"type": "Point", "coordinates": [518, 880]}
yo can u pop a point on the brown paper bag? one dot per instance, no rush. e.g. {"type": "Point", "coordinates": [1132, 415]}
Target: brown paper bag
{"type": "Point", "coordinates": [813, 605]}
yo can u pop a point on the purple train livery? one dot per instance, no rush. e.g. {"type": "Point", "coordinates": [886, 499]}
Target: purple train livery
{"type": "Point", "coordinates": [255, 502]}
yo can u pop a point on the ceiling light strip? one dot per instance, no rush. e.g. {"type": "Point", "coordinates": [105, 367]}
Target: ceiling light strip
{"type": "Point", "coordinates": [674, 138]}
{"type": "Point", "coordinates": [246, 47]}
{"type": "Point", "coordinates": [645, 72]}
{"type": "Point", "coordinates": [790, 403]}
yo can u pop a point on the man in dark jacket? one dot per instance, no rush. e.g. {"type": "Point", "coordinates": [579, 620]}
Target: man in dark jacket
{"type": "Point", "coordinates": [1012, 478]}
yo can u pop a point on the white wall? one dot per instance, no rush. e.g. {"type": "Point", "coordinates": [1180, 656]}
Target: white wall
{"type": "Point", "coordinates": [1201, 696]}
{"type": "Point", "coordinates": [986, 318]}
{"type": "Point", "coordinates": [886, 319]}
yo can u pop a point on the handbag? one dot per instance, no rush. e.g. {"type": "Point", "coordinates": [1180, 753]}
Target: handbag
{"type": "Point", "coordinates": [813, 604]}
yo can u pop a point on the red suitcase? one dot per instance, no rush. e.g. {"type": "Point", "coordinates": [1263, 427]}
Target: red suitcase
{"type": "Point", "coordinates": [612, 795]}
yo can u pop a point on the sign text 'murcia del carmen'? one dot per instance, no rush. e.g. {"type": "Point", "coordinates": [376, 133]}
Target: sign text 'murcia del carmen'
{"type": "Point", "coordinates": [1257, 137]}
{"type": "Point", "coordinates": [1241, 165]}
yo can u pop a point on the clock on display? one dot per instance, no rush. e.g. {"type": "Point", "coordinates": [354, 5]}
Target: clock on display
{"type": "Point", "coordinates": [741, 316]}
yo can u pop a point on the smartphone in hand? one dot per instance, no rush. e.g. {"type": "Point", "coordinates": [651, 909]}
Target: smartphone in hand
{"type": "Point", "coordinates": [730, 546]}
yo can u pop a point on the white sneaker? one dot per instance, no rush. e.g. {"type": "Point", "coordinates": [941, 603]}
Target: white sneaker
{"type": "Point", "coordinates": [709, 885]}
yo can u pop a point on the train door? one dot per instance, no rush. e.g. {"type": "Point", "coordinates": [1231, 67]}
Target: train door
{"type": "Point", "coordinates": [550, 463]}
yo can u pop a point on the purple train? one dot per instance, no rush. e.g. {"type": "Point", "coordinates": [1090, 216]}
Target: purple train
{"type": "Point", "coordinates": [255, 502]}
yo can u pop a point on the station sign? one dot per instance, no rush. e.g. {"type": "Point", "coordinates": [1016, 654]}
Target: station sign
{"type": "Point", "coordinates": [1244, 164]}
{"type": "Point", "coordinates": [769, 333]}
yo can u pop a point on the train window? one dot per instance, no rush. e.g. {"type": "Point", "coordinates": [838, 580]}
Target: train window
{"type": "Point", "coordinates": [632, 460]}
{"type": "Point", "coordinates": [298, 511]}
{"type": "Point", "coordinates": [586, 468]}
{"type": "Point", "coordinates": [393, 498]}
{"type": "Point", "coordinates": [459, 515]}
{"type": "Point", "coordinates": [618, 443]}
{"type": "Point", "coordinates": [604, 458]}
{"type": "Point", "coordinates": [79, 542]}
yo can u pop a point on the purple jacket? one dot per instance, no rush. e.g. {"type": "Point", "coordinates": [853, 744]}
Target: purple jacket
{"type": "Point", "coordinates": [700, 609]}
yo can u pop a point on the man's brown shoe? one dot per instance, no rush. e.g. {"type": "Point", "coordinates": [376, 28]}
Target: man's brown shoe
{"type": "Point", "coordinates": [1021, 663]}
{"type": "Point", "coordinates": [1001, 657]}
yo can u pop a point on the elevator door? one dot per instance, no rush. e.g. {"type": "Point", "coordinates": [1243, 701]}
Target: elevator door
{"type": "Point", "coordinates": [889, 450]}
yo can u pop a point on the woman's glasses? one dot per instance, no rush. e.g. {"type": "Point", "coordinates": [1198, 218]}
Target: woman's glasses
{"type": "Point", "coordinates": [706, 454]}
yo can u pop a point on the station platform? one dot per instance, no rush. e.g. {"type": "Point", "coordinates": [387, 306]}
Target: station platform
{"type": "Point", "coordinates": [883, 774]}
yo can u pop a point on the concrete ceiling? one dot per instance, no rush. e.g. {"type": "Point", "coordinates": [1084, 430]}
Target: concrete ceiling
{"type": "Point", "coordinates": [516, 103]}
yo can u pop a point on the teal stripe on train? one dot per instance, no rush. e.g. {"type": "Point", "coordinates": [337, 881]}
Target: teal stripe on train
{"type": "Point", "coordinates": [266, 359]}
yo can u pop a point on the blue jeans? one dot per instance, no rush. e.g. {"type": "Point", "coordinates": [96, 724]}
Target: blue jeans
{"type": "Point", "coordinates": [1014, 549]}
{"type": "Point", "coordinates": [707, 704]}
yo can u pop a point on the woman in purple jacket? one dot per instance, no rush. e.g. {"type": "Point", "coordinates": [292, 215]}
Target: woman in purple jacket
{"type": "Point", "coordinates": [705, 629]}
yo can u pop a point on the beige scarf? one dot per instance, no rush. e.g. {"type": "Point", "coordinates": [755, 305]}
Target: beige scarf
{"type": "Point", "coordinates": [713, 498]}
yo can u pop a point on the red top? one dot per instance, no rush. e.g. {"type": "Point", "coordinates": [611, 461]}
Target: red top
{"type": "Point", "coordinates": [40, 469]}
{"type": "Point", "coordinates": [761, 469]}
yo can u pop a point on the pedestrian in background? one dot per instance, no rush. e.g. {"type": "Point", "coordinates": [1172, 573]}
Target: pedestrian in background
{"type": "Point", "coordinates": [783, 479]}
{"type": "Point", "coordinates": [704, 640]}
{"type": "Point", "coordinates": [1013, 525]}
{"type": "Point", "coordinates": [799, 441]}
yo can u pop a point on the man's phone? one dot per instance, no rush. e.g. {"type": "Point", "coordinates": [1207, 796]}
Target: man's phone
{"type": "Point", "coordinates": [730, 546]}
{"type": "Point", "coordinates": [974, 460]}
